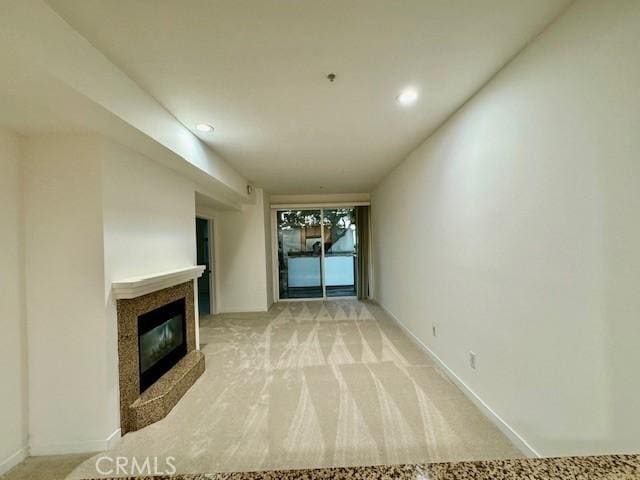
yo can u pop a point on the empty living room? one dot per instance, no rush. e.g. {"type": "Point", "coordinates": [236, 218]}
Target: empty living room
{"type": "Point", "coordinates": [320, 239]}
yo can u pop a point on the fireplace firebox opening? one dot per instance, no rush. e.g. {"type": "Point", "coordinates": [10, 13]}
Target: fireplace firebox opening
{"type": "Point", "coordinates": [162, 341]}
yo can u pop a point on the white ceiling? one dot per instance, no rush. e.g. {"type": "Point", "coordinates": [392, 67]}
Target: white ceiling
{"type": "Point", "coordinates": [255, 69]}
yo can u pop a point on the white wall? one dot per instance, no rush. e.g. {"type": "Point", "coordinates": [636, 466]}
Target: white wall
{"type": "Point", "coordinates": [514, 229]}
{"type": "Point", "coordinates": [13, 351]}
{"type": "Point", "coordinates": [69, 389]}
{"type": "Point", "coordinates": [149, 215]}
{"type": "Point", "coordinates": [241, 258]}
{"type": "Point", "coordinates": [95, 212]}
{"type": "Point", "coordinates": [327, 198]}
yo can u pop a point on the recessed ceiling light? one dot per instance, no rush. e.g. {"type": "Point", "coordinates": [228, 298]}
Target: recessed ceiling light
{"type": "Point", "coordinates": [407, 96]}
{"type": "Point", "coordinates": [204, 127]}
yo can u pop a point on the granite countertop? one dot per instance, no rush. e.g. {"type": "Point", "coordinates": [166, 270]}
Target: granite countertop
{"type": "Point", "coordinates": [609, 467]}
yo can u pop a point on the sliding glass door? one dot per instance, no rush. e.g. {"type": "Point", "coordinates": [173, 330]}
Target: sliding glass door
{"type": "Point", "coordinates": [316, 253]}
{"type": "Point", "coordinates": [340, 265]}
{"type": "Point", "coordinates": [300, 254]}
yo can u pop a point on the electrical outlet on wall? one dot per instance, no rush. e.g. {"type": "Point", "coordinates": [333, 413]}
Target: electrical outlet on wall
{"type": "Point", "coordinates": [434, 330]}
{"type": "Point", "coordinates": [472, 360]}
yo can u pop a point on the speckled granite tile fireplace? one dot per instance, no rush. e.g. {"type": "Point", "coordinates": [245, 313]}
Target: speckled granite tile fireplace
{"type": "Point", "coordinates": [158, 359]}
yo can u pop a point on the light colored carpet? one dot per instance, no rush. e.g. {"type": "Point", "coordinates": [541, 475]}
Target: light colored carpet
{"type": "Point", "coordinates": [49, 467]}
{"type": "Point", "coordinates": [314, 384]}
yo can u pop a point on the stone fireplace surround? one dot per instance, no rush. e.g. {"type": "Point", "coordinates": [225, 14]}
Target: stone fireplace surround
{"type": "Point", "coordinates": [134, 298]}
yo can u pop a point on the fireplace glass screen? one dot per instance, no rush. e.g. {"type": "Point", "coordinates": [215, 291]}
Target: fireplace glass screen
{"type": "Point", "coordinates": [161, 341]}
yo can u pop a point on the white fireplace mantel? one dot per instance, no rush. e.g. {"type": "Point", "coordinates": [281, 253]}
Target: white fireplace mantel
{"type": "Point", "coordinates": [137, 286]}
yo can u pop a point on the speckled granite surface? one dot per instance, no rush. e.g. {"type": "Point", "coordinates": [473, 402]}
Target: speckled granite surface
{"type": "Point", "coordinates": [610, 467]}
{"type": "Point", "coordinates": [135, 414]}
{"type": "Point", "coordinates": [156, 402]}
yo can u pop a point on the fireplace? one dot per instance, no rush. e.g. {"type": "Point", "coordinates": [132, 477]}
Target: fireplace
{"type": "Point", "coordinates": [161, 341]}
{"type": "Point", "coordinates": [158, 359]}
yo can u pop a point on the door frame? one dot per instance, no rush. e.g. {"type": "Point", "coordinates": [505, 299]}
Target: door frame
{"type": "Point", "coordinates": [274, 245]}
{"type": "Point", "coordinates": [213, 277]}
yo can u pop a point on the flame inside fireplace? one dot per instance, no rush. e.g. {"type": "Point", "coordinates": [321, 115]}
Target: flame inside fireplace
{"type": "Point", "coordinates": [161, 341]}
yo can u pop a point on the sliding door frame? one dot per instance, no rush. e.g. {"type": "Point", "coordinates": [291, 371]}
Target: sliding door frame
{"type": "Point", "coordinates": [275, 267]}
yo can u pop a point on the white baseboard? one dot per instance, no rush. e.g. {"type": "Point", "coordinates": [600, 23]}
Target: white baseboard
{"type": "Point", "coordinates": [503, 426]}
{"type": "Point", "coordinates": [80, 447]}
{"type": "Point", "coordinates": [13, 460]}
{"type": "Point", "coordinates": [114, 439]}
